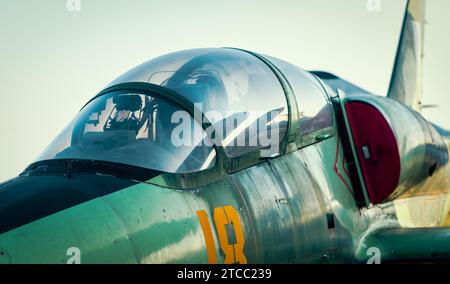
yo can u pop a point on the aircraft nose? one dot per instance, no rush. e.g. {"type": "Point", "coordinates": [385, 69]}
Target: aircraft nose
{"type": "Point", "coordinates": [28, 198]}
{"type": "Point", "coordinates": [110, 220]}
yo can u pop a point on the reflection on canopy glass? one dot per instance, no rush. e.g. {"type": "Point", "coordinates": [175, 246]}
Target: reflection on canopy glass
{"type": "Point", "coordinates": [132, 129]}
{"type": "Point", "coordinates": [315, 111]}
{"type": "Point", "coordinates": [237, 92]}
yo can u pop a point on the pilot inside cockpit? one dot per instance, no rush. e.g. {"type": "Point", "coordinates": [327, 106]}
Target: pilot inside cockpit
{"type": "Point", "coordinates": [124, 117]}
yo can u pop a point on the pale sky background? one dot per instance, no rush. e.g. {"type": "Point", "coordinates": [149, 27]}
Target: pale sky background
{"type": "Point", "coordinates": [53, 61]}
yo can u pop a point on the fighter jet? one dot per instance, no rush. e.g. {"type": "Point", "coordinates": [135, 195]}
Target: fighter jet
{"type": "Point", "coordinates": [227, 156]}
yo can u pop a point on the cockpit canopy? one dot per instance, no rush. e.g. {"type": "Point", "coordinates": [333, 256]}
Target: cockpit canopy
{"type": "Point", "coordinates": [240, 96]}
{"type": "Point", "coordinates": [133, 129]}
{"type": "Point", "coordinates": [235, 90]}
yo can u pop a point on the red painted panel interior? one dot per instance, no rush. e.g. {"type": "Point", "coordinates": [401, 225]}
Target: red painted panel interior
{"type": "Point", "coordinates": [381, 168]}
